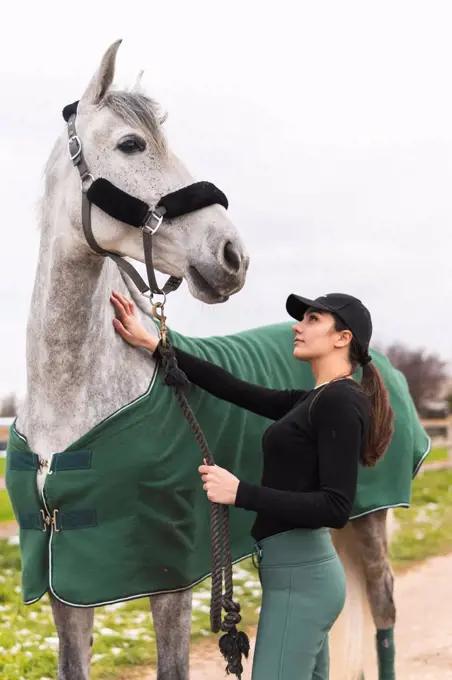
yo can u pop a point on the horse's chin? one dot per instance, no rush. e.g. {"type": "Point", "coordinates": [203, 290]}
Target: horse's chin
{"type": "Point", "coordinates": [207, 295]}
{"type": "Point", "coordinates": [201, 289]}
{"type": "Point", "coordinates": [212, 299]}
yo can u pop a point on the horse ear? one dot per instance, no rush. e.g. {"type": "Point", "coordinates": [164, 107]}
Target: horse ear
{"type": "Point", "coordinates": [137, 85]}
{"type": "Point", "coordinates": [102, 79]}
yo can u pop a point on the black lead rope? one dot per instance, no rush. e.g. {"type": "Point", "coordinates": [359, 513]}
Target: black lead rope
{"type": "Point", "coordinates": [233, 643]}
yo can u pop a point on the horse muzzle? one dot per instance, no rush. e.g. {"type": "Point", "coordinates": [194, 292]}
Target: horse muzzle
{"type": "Point", "coordinates": [214, 277]}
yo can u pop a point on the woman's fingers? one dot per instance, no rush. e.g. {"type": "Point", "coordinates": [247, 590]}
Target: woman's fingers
{"type": "Point", "coordinates": [128, 304]}
{"type": "Point", "coordinates": [123, 332]}
{"type": "Point", "coordinates": [121, 308]}
{"type": "Point", "coordinates": [118, 305]}
{"type": "Point", "coordinates": [205, 469]}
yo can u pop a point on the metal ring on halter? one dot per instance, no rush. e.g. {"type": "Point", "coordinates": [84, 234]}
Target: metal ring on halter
{"type": "Point", "coordinates": [151, 295]}
{"type": "Point", "coordinates": [152, 215]}
{"type": "Point", "coordinates": [87, 177]}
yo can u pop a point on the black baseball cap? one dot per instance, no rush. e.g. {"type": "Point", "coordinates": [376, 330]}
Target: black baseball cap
{"type": "Point", "coordinates": [348, 308]}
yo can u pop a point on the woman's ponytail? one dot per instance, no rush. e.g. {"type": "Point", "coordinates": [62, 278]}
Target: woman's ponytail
{"type": "Point", "coordinates": [381, 415]}
{"type": "Point", "coordinates": [381, 426]}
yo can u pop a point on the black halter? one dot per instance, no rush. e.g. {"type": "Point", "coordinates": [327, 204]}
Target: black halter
{"type": "Point", "coordinates": [133, 211]}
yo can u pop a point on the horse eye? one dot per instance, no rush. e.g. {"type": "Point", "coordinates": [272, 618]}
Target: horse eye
{"type": "Point", "coordinates": [131, 145]}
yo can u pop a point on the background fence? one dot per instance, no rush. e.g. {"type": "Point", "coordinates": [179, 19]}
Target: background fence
{"type": "Point", "coordinates": [439, 429]}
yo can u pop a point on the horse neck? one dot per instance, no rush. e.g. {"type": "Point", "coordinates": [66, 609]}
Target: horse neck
{"type": "Point", "coordinates": [79, 371]}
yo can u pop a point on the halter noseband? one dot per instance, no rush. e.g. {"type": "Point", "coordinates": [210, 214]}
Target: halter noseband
{"type": "Point", "coordinates": [133, 211]}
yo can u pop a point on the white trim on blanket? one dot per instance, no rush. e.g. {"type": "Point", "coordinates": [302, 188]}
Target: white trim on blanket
{"type": "Point", "coordinates": [35, 600]}
{"type": "Point", "coordinates": [112, 415]}
{"type": "Point", "coordinates": [21, 436]}
{"type": "Point", "coordinates": [398, 505]}
{"type": "Point", "coordinates": [120, 599]}
{"type": "Point", "coordinates": [424, 456]}
{"type": "Point", "coordinates": [382, 507]}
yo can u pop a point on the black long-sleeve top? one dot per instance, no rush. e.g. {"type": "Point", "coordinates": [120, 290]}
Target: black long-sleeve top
{"type": "Point", "coordinates": [311, 455]}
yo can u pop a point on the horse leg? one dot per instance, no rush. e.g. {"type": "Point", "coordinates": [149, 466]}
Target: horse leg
{"type": "Point", "coordinates": [352, 631]}
{"type": "Point", "coordinates": [171, 613]}
{"type": "Point", "coordinates": [74, 626]}
{"type": "Point", "coordinates": [372, 538]}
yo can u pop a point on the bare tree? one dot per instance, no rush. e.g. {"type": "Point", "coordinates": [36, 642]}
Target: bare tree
{"type": "Point", "coordinates": [425, 372]}
{"type": "Point", "coordinates": [8, 406]}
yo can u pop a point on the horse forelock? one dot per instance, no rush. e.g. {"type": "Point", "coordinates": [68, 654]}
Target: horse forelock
{"type": "Point", "coordinates": [138, 110]}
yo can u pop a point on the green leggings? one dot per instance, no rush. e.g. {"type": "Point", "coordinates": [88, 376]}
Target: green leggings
{"type": "Point", "coordinates": [303, 593]}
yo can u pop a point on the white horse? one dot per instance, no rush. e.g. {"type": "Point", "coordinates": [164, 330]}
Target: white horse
{"type": "Point", "coordinates": [79, 371]}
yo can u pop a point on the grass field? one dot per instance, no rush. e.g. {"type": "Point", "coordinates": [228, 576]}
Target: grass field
{"type": "Point", "coordinates": [123, 634]}
{"type": "Point", "coordinates": [437, 454]}
{"type": "Point", "coordinates": [426, 527]}
{"type": "Point", "coordinates": [6, 512]}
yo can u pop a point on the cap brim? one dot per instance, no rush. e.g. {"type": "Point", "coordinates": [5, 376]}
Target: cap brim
{"type": "Point", "coordinates": [297, 306]}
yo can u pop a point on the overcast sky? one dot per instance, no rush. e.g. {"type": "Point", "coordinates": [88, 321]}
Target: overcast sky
{"type": "Point", "coordinates": [328, 124]}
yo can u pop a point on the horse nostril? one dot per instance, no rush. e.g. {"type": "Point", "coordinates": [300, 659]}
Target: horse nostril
{"type": "Point", "coordinates": [232, 257]}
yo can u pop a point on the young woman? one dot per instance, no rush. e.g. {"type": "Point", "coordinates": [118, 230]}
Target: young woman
{"type": "Point", "coordinates": [311, 455]}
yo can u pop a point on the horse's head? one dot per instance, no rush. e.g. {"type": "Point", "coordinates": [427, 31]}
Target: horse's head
{"type": "Point", "coordinates": [123, 142]}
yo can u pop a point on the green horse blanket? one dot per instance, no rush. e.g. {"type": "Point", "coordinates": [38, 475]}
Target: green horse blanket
{"type": "Point", "coordinates": [123, 513]}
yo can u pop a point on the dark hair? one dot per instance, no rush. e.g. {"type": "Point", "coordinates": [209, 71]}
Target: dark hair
{"type": "Point", "coordinates": [381, 414]}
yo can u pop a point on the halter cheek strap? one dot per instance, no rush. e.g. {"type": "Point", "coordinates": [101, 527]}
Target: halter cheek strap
{"type": "Point", "coordinates": [133, 211]}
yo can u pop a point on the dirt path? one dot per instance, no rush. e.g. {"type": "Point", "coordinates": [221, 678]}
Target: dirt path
{"type": "Point", "coordinates": [424, 630]}
{"type": "Point", "coordinates": [8, 529]}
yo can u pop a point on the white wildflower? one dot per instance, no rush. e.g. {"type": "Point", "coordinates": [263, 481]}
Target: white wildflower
{"type": "Point", "coordinates": [51, 641]}
{"type": "Point", "coordinates": [97, 657]}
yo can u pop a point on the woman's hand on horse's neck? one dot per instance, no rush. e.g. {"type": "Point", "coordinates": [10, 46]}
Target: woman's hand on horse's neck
{"type": "Point", "coordinates": [128, 326]}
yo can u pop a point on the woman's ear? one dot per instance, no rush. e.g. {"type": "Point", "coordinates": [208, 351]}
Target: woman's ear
{"type": "Point", "coordinates": [345, 338]}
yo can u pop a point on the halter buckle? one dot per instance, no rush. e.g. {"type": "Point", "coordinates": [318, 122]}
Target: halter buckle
{"type": "Point", "coordinates": [85, 181]}
{"type": "Point", "coordinates": [152, 215]}
{"type": "Point", "coordinates": [73, 155]}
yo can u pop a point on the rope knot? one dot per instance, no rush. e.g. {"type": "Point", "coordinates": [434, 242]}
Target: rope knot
{"type": "Point", "coordinates": [173, 376]}
{"type": "Point", "coordinates": [229, 605]}
{"type": "Point", "coordinates": [230, 621]}
{"type": "Point", "coordinates": [232, 618]}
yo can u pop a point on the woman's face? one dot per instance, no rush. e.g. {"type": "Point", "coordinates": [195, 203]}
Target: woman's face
{"type": "Point", "coordinates": [315, 336]}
